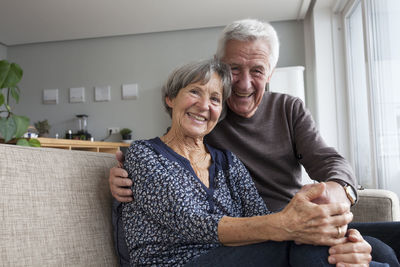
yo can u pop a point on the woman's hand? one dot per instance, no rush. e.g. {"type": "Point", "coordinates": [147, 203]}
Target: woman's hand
{"type": "Point", "coordinates": [354, 251]}
{"type": "Point", "coordinates": [318, 224]}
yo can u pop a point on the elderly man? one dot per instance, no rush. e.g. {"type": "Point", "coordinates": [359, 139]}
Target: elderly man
{"type": "Point", "coordinates": [273, 134]}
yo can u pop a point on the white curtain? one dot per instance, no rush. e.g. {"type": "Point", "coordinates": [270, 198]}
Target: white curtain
{"type": "Point", "coordinates": [373, 34]}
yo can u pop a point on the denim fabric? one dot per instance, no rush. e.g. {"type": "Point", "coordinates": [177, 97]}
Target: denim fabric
{"type": "Point", "coordinates": [387, 232]}
{"type": "Point", "coordinates": [270, 253]}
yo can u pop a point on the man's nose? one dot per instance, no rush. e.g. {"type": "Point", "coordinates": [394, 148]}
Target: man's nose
{"type": "Point", "coordinates": [243, 80]}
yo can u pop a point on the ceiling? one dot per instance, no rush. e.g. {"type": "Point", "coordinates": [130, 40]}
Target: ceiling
{"type": "Point", "coordinates": [34, 21]}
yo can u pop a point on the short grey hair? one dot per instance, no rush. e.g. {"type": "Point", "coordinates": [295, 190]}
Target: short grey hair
{"type": "Point", "coordinates": [200, 71]}
{"type": "Point", "coordinates": [249, 30]}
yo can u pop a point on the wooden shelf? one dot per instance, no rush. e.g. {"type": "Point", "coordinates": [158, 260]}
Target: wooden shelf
{"type": "Point", "coordinates": [70, 144]}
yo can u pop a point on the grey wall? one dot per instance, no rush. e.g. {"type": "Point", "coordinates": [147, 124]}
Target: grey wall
{"type": "Point", "coordinates": [146, 59]}
{"type": "Point", "coordinates": [3, 52]}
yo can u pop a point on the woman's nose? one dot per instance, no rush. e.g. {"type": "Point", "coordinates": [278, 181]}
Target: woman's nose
{"type": "Point", "coordinates": [204, 103]}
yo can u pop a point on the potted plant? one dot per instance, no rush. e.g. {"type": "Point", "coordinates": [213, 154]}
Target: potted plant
{"type": "Point", "coordinates": [12, 126]}
{"type": "Point", "coordinates": [43, 128]}
{"type": "Point", "coordinates": [126, 134]}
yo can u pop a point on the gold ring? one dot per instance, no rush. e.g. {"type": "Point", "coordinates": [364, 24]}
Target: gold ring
{"type": "Point", "coordinates": [339, 232]}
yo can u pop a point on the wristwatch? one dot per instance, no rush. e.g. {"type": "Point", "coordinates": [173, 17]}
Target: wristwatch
{"type": "Point", "coordinates": [351, 195]}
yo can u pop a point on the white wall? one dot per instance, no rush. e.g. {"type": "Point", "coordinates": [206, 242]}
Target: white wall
{"type": "Point", "coordinates": [3, 52]}
{"type": "Point", "coordinates": [146, 59]}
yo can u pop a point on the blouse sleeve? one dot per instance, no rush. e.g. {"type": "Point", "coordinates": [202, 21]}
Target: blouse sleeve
{"type": "Point", "coordinates": [159, 195]}
{"type": "Point", "coordinates": [251, 202]}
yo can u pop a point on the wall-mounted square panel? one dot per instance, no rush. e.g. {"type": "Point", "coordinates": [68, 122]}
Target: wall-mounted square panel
{"type": "Point", "coordinates": [102, 93]}
{"type": "Point", "coordinates": [130, 91]}
{"type": "Point", "coordinates": [50, 96]}
{"type": "Point", "coordinates": [77, 95]}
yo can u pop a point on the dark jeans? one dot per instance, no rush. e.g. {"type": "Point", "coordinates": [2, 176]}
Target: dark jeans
{"type": "Point", "coordinates": [267, 254]}
{"type": "Point", "coordinates": [387, 232]}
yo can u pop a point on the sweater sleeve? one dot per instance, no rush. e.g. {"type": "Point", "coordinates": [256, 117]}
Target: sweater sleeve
{"type": "Point", "coordinates": [160, 190]}
{"type": "Point", "coordinates": [322, 163]}
{"type": "Point", "coordinates": [251, 202]}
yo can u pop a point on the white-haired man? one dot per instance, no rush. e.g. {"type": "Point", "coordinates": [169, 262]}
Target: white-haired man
{"type": "Point", "coordinates": [273, 134]}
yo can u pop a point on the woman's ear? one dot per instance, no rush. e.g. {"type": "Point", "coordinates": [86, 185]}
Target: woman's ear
{"type": "Point", "coordinates": [169, 102]}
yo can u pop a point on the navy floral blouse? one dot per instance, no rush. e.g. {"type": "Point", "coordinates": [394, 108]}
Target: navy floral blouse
{"type": "Point", "coordinates": [174, 216]}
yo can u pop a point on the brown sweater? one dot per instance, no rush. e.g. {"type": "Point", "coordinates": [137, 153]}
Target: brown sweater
{"type": "Point", "coordinates": [273, 143]}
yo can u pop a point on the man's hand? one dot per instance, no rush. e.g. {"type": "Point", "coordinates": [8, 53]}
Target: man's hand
{"type": "Point", "coordinates": [119, 182]}
{"type": "Point", "coordinates": [354, 252]}
{"type": "Point", "coordinates": [318, 224]}
{"type": "Point", "coordinates": [334, 193]}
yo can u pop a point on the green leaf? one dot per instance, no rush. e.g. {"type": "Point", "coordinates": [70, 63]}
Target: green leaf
{"type": "Point", "coordinates": [7, 128]}
{"type": "Point", "coordinates": [22, 124]}
{"type": "Point", "coordinates": [13, 76]}
{"type": "Point", "coordinates": [34, 142]}
{"type": "Point", "coordinates": [1, 99]}
{"type": "Point", "coordinates": [23, 142]}
{"type": "Point", "coordinates": [4, 69]}
{"type": "Point", "coordinates": [14, 94]}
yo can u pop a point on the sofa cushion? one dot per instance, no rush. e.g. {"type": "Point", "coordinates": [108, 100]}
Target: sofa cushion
{"type": "Point", "coordinates": [376, 205]}
{"type": "Point", "coordinates": [55, 207]}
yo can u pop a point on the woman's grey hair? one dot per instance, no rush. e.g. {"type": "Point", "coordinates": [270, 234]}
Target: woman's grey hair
{"type": "Point", "coordinates": [194, 72]}
{"type": "Point", "coordinates": [249, 30]}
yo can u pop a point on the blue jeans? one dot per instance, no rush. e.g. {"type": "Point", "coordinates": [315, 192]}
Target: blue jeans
{"type": "Point", "coordinates": [267, 254]}
{"type": "Point", "coordinates": [387, 232]}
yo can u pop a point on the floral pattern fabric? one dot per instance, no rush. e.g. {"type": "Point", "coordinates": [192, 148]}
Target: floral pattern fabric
{"type": "Point", "coordinates": [174, 216]}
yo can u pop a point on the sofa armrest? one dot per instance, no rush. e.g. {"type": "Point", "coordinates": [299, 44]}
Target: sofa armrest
{"type": "Point", "coordinates": [376, 205]}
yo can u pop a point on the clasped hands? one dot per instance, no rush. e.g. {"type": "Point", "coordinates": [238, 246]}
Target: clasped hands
{"type": "Point", "coordinates": [319, 214]}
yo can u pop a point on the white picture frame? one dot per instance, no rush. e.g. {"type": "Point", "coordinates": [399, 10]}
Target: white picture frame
{"type": "Point", "coordinates": [77, 95]}
{"type": "Point", "coordinates": [102, 93]}
{"type": "Point", "coordinates": [50, 96]}
{"type": "Point", "coordinates": [130, 91]}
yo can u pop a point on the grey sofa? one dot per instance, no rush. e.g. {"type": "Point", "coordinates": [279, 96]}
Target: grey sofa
{"type": "Point", "coordinates": [55, 207]}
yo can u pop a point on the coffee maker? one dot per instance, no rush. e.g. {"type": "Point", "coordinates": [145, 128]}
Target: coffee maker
{"type": "Point", "coordinates": [82, 133]}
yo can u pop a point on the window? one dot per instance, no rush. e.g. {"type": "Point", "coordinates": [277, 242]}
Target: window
{"type": "Point", "coordinates": [373, 68]}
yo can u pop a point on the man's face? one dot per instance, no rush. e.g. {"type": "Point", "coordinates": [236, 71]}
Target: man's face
{"type": "Point", "coordinates": [250, 73]}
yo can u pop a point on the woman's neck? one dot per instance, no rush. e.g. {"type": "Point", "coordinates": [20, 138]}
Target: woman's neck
{"type": "Point", "coordinates": [191, 148]}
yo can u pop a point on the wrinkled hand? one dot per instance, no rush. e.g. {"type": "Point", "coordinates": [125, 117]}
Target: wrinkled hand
{"type": "Point", "coordinates": [306, 222]}
{"type": "Point", "coordinates": [334, 193]}
{"type": "Point", "coordinates": [354, 252]}
{"type": "Point", "coordinates": [119, 182]}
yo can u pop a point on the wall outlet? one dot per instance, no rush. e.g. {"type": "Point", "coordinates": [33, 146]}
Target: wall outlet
{"type": "Point", "coordinates": [112, 130]}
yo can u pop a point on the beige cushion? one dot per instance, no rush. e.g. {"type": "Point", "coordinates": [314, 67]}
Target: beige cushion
{"type": "Point", "coordinates": [376, 205]}
{"type": "Point", "coordinates": [55, 208]}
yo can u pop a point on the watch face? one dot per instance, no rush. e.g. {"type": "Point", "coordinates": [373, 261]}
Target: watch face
{"type": "Point", "coordinates": [350, 194]}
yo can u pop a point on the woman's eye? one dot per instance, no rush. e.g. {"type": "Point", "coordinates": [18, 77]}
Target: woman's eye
{"type": "Point", "coordinates": [235, 70]}
{"type": "Point", "coordinates": [216, 99]}
{"type": "Point", "coordinates": [194, 91]}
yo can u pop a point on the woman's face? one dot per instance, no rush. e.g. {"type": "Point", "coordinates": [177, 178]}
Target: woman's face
{"type": "Point", "coordinates": [197, 107]}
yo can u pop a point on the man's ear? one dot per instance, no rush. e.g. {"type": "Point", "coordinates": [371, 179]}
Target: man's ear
{"type": "Point", "coordinates": [270, 75]}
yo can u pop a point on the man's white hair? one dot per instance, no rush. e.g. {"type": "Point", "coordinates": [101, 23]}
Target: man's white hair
{"type": "Point", "coordinates": [249, 30]}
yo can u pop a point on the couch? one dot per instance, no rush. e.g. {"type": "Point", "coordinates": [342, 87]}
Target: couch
{"type": "Point", "coordinates": [55, 207]}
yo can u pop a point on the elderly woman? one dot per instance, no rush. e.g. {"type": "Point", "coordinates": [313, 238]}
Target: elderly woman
{"type": "Point", "coordinates": [196, 205]}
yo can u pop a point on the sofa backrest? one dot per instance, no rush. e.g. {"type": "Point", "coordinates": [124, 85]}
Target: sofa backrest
{"type": "Point", "coordinates": [55, 207]}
